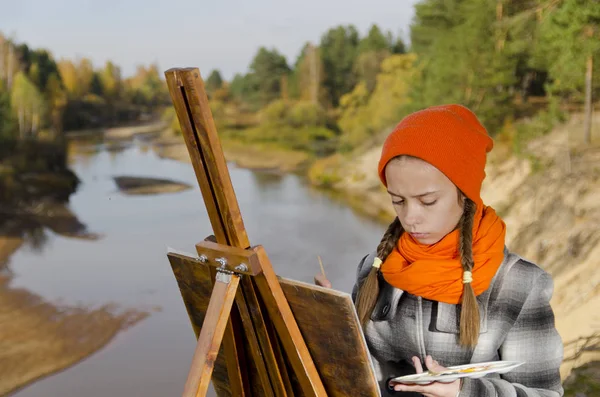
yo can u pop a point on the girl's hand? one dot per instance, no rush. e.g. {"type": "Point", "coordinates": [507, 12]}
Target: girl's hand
{"type": "Point", "coordinates": [321, 280]}
{"type": "Point", "coordinates": [435, 389]}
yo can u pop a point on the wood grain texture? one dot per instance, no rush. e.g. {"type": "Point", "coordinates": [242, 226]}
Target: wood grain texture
{"type": "Point", "coordinates": [195, 284]}
{"type": "Point", "coordinates": [211, 335]}
{"type": "Point", "coordinates": [187, 124]}
{"type": "Point", "coordinates": [235, 357]}
{"type": "Point", "coordinates": [233, 351]}
{"type": "Point", "coordinates": [259, 322]}
{"type": "Point", "coordinates": [287, 328]}
{"type": "Point", "coordinates": [330, 327]}
{"type": "Point", "coordinates": [253, 344]}
{"type": "Point", "coordinates": [325, 317]}
{"type": "Point", "coordinates": [200, 134]}
{"type": "Point", "coordinates": [282, 363]}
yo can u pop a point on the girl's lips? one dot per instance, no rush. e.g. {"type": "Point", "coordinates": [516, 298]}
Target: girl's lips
{"type": "Point", "coordinates": [419, 235]}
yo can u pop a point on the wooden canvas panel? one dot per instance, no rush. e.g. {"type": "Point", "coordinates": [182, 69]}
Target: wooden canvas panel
{"type": "Point", "coordinates": [195, 283]}
{"type": "Point", "coordinates": [332, 332]}
{"type": "Point", "coordinates": [327, 321]}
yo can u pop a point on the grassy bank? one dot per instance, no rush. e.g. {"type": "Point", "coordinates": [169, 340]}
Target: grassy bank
{"type": "Point", "coordinates": [266, 156]}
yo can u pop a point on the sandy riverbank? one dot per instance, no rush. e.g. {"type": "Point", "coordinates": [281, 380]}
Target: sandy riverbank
{"type": "Point", "coordinates": [255, 157]}
{"type": "Point", "coordinates": [39, 338]}
{"type": "Point", "coordinates": [120, 133]}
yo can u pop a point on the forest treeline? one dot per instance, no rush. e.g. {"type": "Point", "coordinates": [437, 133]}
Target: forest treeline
{"type": "Point", "coordinates": [505, 59]}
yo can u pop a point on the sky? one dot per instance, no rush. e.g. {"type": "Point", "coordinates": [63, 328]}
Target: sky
{"type": "Point", "coordinates": [218, 34]}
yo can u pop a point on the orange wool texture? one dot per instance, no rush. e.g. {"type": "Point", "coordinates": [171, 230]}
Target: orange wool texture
{"type": "Point", "coordinates": [434, 271]}
{"type": "Point", "coordinates": [449, 137]}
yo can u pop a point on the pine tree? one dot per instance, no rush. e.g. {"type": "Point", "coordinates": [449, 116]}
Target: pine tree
{"type": "Point", "coordinates": [339, 48]}
{"type": "Point", "coordinates": [570, 40]}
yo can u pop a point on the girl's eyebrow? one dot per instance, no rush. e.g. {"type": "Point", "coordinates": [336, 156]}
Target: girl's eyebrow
{"type": "Point", "coordinates": [416, 196]}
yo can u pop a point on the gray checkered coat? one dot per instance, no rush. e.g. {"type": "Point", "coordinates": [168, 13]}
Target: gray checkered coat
{"type": "Point", "coordinates": [517, 323]}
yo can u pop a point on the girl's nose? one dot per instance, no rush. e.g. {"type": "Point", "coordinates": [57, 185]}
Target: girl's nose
{"type": "Point", "coordinates": [412, 216]}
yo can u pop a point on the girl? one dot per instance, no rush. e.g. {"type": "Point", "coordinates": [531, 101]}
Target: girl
{"type": "Point", "coordinates": [442, 289]}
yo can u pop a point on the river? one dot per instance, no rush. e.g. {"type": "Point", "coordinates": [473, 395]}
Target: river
{"type": "Point", "coordinates": [128, 266]}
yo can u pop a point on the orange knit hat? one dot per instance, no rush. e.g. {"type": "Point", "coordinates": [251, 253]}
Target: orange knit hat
{"type": "Point", "coordinates": [449, 137]}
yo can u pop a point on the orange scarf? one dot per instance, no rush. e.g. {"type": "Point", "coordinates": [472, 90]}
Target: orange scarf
{"type": "Point", "coordinates": [434, 271]}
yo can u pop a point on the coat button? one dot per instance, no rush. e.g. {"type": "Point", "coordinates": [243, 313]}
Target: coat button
{"type": "Point", "coordinates": [385, 309]}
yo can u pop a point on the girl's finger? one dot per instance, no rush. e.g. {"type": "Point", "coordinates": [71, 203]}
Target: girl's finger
{"type": "Point", "coordinates": [432, 364]}
{"type": "Point", "coordinates": [429, 362]}
{"type": "Point", "coordinates": [322, 281]}
{"type": "Point", "coordinates": [417, 364]}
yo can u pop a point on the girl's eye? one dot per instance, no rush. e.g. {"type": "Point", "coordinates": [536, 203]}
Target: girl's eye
{"type": "Point", "coordinates": [398, 202]}
{"type": "Point", "coordinates": [430, 203]}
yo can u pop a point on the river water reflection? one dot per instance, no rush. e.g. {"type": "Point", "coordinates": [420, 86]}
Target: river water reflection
{"type": "Point", "coordinates": [128, 267]}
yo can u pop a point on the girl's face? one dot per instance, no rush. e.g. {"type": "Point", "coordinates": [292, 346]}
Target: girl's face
{"type": "Point", "coordinates": [427, 203]}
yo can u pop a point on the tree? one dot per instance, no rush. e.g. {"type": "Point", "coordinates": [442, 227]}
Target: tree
{"type": "Point", "coordinates": [24, 55]}
{"type": "Point", "coordinates": [9, 62]}
{"type": "Point", "coordinates": [28, 105]}
{"type": "Point", "coordinates": [37, 64]}
{"type": "Point", "coordinates": [238, 86]}
{"type": "Point", "coordinates": [374, 41]}
{"type": "Point", "coordinates": [111, 80]}
{"type": "Point", "coordinates": [214, 81]}
{"type": "Point", "coordinates": [68, 75]}
{"type": "Point", "coordinates": [372, 50]}
{"type": "Point", "coordinates": [368, 65]}
{"type": "Point", "coordinates": [57, 100]}
{"type": "Point", "coordinates": [461, 61]}
{"type": "Point", "coordinates": [570, 36]}
{"type": "Point", "coordinates": [85, 77]}
{"type": "Point", "coordinates": [96, 86]}
{"type": "Point", "coordinates": [266, 71]}
{"type": "Point", "coordinates": [516, 33]}
{"type": "Point", "coordinates": [339, 47]}
{"type": "Point", "coordinates": [433, 20]}
{"type": "Point", "coordinates": [365, 115]}
{"type": "Point", "coordinates": [308, 76]}
{"type": "Point", "coordinates": [397, 46]}
{"type": "Point", "coordinates": [6, 116]}
{"type": "Point", "coordinates": [147, 88]}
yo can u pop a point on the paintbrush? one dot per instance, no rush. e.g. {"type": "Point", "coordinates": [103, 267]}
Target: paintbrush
{"type": "Point", "coordinates": [321, 264]}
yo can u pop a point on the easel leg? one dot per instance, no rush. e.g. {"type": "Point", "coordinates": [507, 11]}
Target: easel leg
{"type": "Point", "coordinates": [211, 335]}
{"type": "Point", "coordinates": [235, 357]}
{"type": "Point", "coordinates": [233, 349]}
{"type": "Point", "coordinates": [287, 329]}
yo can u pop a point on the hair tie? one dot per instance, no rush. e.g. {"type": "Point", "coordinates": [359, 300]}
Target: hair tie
{"type": "Point", "coordinates": [467, 277]}
{"type": "Point", "coordinates": [376, 263]}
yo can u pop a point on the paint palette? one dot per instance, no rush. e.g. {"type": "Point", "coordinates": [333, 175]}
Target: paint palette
{"type": "Point", "coordinates": [451, 374]}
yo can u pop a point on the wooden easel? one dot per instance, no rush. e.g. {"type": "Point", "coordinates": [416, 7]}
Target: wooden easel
{"type": "Point", "coordinates": [247, 301]}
